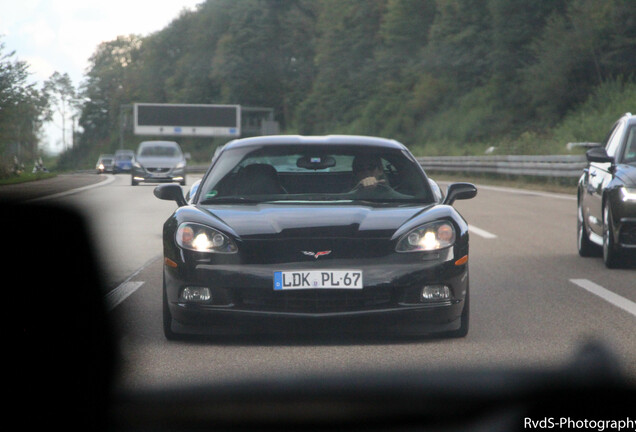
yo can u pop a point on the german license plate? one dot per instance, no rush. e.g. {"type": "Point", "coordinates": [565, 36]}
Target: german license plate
{"type": "Point", "coordinates": [318, 279]}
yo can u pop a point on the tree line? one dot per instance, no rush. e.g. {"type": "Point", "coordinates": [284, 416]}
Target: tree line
{"type": "Point", "coordinates": [25, 107]}
{"type": "Point", "coordinates": [22, 112]}
{"type": "Point", "coordinates": [442, 76]}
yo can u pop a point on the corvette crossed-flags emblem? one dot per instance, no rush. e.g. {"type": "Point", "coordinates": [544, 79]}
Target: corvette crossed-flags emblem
{"type": "Point", "coordinates": [316, 254]}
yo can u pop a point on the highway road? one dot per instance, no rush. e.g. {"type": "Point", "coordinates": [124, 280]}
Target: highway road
{"type": "Point", "coordinates": [534, 301]}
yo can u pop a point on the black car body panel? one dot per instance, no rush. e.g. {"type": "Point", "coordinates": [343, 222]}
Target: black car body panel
{"type": "Point", "coordinates": [607, 196]}
{"type": "Point", "coordinates": [320, 237]}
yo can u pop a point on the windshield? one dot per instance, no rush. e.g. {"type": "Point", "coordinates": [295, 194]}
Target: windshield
{"type": "Point", "coordinates": [630, 147]}
{"type": "Point", "coordinates": [159, 151]}
{"type": "Point", "coordinates": [314, 173]}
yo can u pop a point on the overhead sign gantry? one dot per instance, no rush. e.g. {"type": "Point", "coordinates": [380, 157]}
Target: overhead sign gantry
{"type": "Point", "coordinates": [187, 119]}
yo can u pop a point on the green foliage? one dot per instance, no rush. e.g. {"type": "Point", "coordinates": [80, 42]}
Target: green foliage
{"type": "Point", "coordinates": [591, 121]}
{"type": "Point", "coordinates": [460, 38]}
{"type": "Point", "coordinates": [23, 108]}
{"type": "Point", "coordinates": [443, 76]}
{"type": "Point", "coordinates": [404, 30]}
{"type": "Point", "coordinates": [345, 77]}
{"type": "Point", "coordinates": [62, 100]}
{"type": "Point", "coordinates": [265, 58]}
{"type": "Point", "coordinates": [587, 122]}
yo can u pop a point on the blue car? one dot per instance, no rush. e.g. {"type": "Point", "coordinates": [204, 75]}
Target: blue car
{"type": "Point", "coordinates": [123, 161]}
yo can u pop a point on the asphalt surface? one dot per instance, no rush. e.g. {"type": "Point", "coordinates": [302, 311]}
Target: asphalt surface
{"type": "Point", "coordinates": [534, 301]}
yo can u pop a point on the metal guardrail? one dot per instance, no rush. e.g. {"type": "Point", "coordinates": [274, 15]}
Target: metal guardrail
{"type": "Point", "coordinates": [544, 166]}
{"type": "Point", "coordinates": [197, 169]}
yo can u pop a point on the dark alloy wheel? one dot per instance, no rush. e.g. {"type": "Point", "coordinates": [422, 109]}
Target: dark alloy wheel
{"type": "Point", "coordinates": [611, 255]}
{"type": "Point", "coordinates": [584, 244]}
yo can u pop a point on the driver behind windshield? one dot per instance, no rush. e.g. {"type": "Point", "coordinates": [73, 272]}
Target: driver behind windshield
{"type": "Point", "coordinates": [320, 173]}
{"type": "Point", "coordinates": [368, 172]}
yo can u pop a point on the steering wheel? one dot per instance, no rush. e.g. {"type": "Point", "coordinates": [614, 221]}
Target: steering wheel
{"type": "Point", "coordinates": [380, 184]}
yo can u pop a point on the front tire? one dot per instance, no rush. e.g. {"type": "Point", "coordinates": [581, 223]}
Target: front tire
{"type": "Point", "coordinates": [584, 244]}
{"type": "Point", "coordinates": [611, 255]}
{"type": "Point", "coordinates": [462, 331]}
{"type": "Point", "coordinates": [167, 317]}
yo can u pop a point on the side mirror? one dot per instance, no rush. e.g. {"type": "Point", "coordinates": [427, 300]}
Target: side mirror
{"type": "Point", "coordinates": [187, 156]}
{"type": "Point", "coordinates": [598, 154]}
{"type": "Point", "coordinates": [459, 191]}
{"type": "Point", "coordinates": [170, 192]}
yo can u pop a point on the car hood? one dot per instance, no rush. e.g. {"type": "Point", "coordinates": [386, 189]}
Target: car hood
{"type": "Point", "coordinates": [314, 221]}
{"type": "Point", "coordinates": [159, 162]}
{"type": "Point", "coordinates": [627, 173]}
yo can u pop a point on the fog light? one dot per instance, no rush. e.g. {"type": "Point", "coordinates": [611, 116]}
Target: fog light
{"type": "Point", "coordinates": [196, 294]}
{"type": "Point", "coordinates": [435, 292]}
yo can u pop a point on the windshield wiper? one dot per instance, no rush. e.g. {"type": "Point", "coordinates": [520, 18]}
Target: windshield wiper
{"type": "Point", "coordinates": [391, 200]}
{"type": "Point", "coordinates": [230, 200]}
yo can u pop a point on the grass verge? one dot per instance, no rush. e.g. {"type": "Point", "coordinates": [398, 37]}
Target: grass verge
{"type": "Point", "coordinates": [26, 177]}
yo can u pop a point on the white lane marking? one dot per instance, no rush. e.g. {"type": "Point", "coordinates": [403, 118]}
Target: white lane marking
{"type": "Point", "coordinates": [480, 232]}
{"type": "Point", "coordinates": [126, 288]}
{"type": "Point", "coordinates": [615, 299]}
{"type": "Point", "coordinates": [119, 294]}
{"type": "Point", "coordinates": [109, 179]}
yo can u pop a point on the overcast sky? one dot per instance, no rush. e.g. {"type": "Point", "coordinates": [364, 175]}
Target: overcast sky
{"type": "Point", "coordinates": [61, 35]}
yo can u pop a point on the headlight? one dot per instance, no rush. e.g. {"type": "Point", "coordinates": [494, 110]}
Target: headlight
{"type": "Point", "coordinates": [628, 194]}
{"type": "Point", "coordinates": [200, 238]}
{"type": "Point", "coordinates": [181, 164]}
{"type": "Point", "coordinates": [432, 236]}
{"type": "Point", "coordinates": [137, 165]}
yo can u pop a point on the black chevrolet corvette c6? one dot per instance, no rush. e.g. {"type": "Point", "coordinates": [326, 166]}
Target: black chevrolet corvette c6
{"type": "Point", "coordinates": [290, 234]}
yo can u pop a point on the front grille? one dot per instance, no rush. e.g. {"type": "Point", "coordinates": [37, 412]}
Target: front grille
{"type": "Point", "coordinates": [158, 170]}
{"type": "Point", "coordinates": [315, 301]}
{"type": "Point", "coordinates": [628, 234]}
{"type": "Point", "coordinates": [293, 250]}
